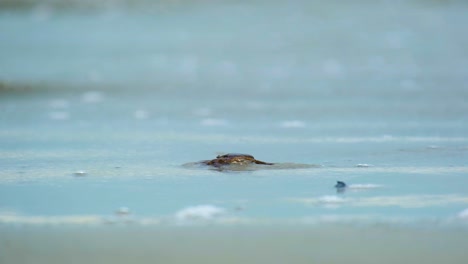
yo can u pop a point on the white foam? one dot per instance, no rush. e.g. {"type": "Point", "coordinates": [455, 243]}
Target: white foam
{"type": "Point", "coordinates": [364, 186]}
{"type": "Point", "coordinates": [331, 199]}
{"type": "Point", "coordinates": [7, 217]}
{"type": "Point", "coordinates": [412, 201]}
{"type": "Point", "coordinates": [51, 220]}
{"type": "Point", "coordinates": [404, 201]}
{"type": "Point", "coordinates": [200, 212]}
{"type": "Point", "coordinates": [420, 170]}
{"type": "Point", "coordinates": [463, 214]}
{"type": "Point", "coordinates": [122, 211]}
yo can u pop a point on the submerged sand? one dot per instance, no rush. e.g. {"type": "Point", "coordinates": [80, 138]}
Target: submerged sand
{"type": "Point", "coordinates": [328, 243]}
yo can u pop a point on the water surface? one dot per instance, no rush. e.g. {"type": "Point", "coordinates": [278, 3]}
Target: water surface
{"type": "Point", "coordinates": [102, 104]}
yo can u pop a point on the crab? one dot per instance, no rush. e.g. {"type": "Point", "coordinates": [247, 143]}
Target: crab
{"type": "Point", "coordinates": [234, 159]}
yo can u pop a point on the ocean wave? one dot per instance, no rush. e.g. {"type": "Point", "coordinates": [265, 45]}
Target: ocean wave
{"type": "Point", "coordinates": [350, 140]}
{"type": "Point", "coordinates": [7, 219]}
{"type": "Point", "coordinates": [11, 175]}
{"type": "Point", "coordinates": [407, 169]}
{"type": "Point", "coordinates": [11, 218]}
{"type": "Point", "coordinates": [404, 201]}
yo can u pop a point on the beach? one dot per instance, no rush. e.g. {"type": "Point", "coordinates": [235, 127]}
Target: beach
{"type": "Point", "coordinates": [106, 108]}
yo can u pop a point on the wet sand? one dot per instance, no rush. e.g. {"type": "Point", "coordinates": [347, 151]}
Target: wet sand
{"type": "Point", "coordinates": [217, 244]}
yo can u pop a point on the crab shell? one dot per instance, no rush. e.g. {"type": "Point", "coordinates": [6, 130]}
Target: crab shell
{"type": "Point", "coordinates": [234, 158]}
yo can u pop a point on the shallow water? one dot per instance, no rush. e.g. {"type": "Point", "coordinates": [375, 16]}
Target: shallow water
{"type": "Point", "coordinates": [102, 105]}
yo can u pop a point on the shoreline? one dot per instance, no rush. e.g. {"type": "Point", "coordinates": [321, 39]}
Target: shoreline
{"type": "Point", "coordinates": [213, 244]}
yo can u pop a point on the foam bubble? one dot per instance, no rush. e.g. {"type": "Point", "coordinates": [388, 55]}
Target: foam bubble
{"type": "Point", "coordinates": [122, 211]}
{"type": "Point", "coordinates": [405, 201]}
{"type": "Point", "coordinates": [364, 186]}
{"type": "Point", "coordinates": [463, 214]}
{"type": "Point", "coordinates": [331, 199]}
{"type": "Point", "coordinates": [200, 212]}
{"type": "Point", "coordinates": [51, 220]}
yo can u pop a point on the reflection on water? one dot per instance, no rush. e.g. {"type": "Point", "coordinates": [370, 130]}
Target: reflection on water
{"type": "Point", "coordinates": [249, 167]}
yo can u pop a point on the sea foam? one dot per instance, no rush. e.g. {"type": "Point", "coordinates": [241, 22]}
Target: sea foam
{"type": "Point", "coordinates": [364, 186]}
{"type": "Point", "coordinates": [199, 213]}
{"type": "Point", "coordinates": [463, 214]}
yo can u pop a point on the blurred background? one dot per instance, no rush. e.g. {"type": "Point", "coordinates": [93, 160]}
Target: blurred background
{"type": "Point", "coordinates": [400, 50]}
{"type": "Point", "coordinates": [236, 68]}
{"type": "Point", "coordinates": [102, 101]}
{"type": "Point", "coordinates": [138, 87]}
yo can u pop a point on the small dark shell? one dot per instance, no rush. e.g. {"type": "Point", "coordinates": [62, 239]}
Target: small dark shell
{"type": "Point", "coordinates": [340, 184]}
